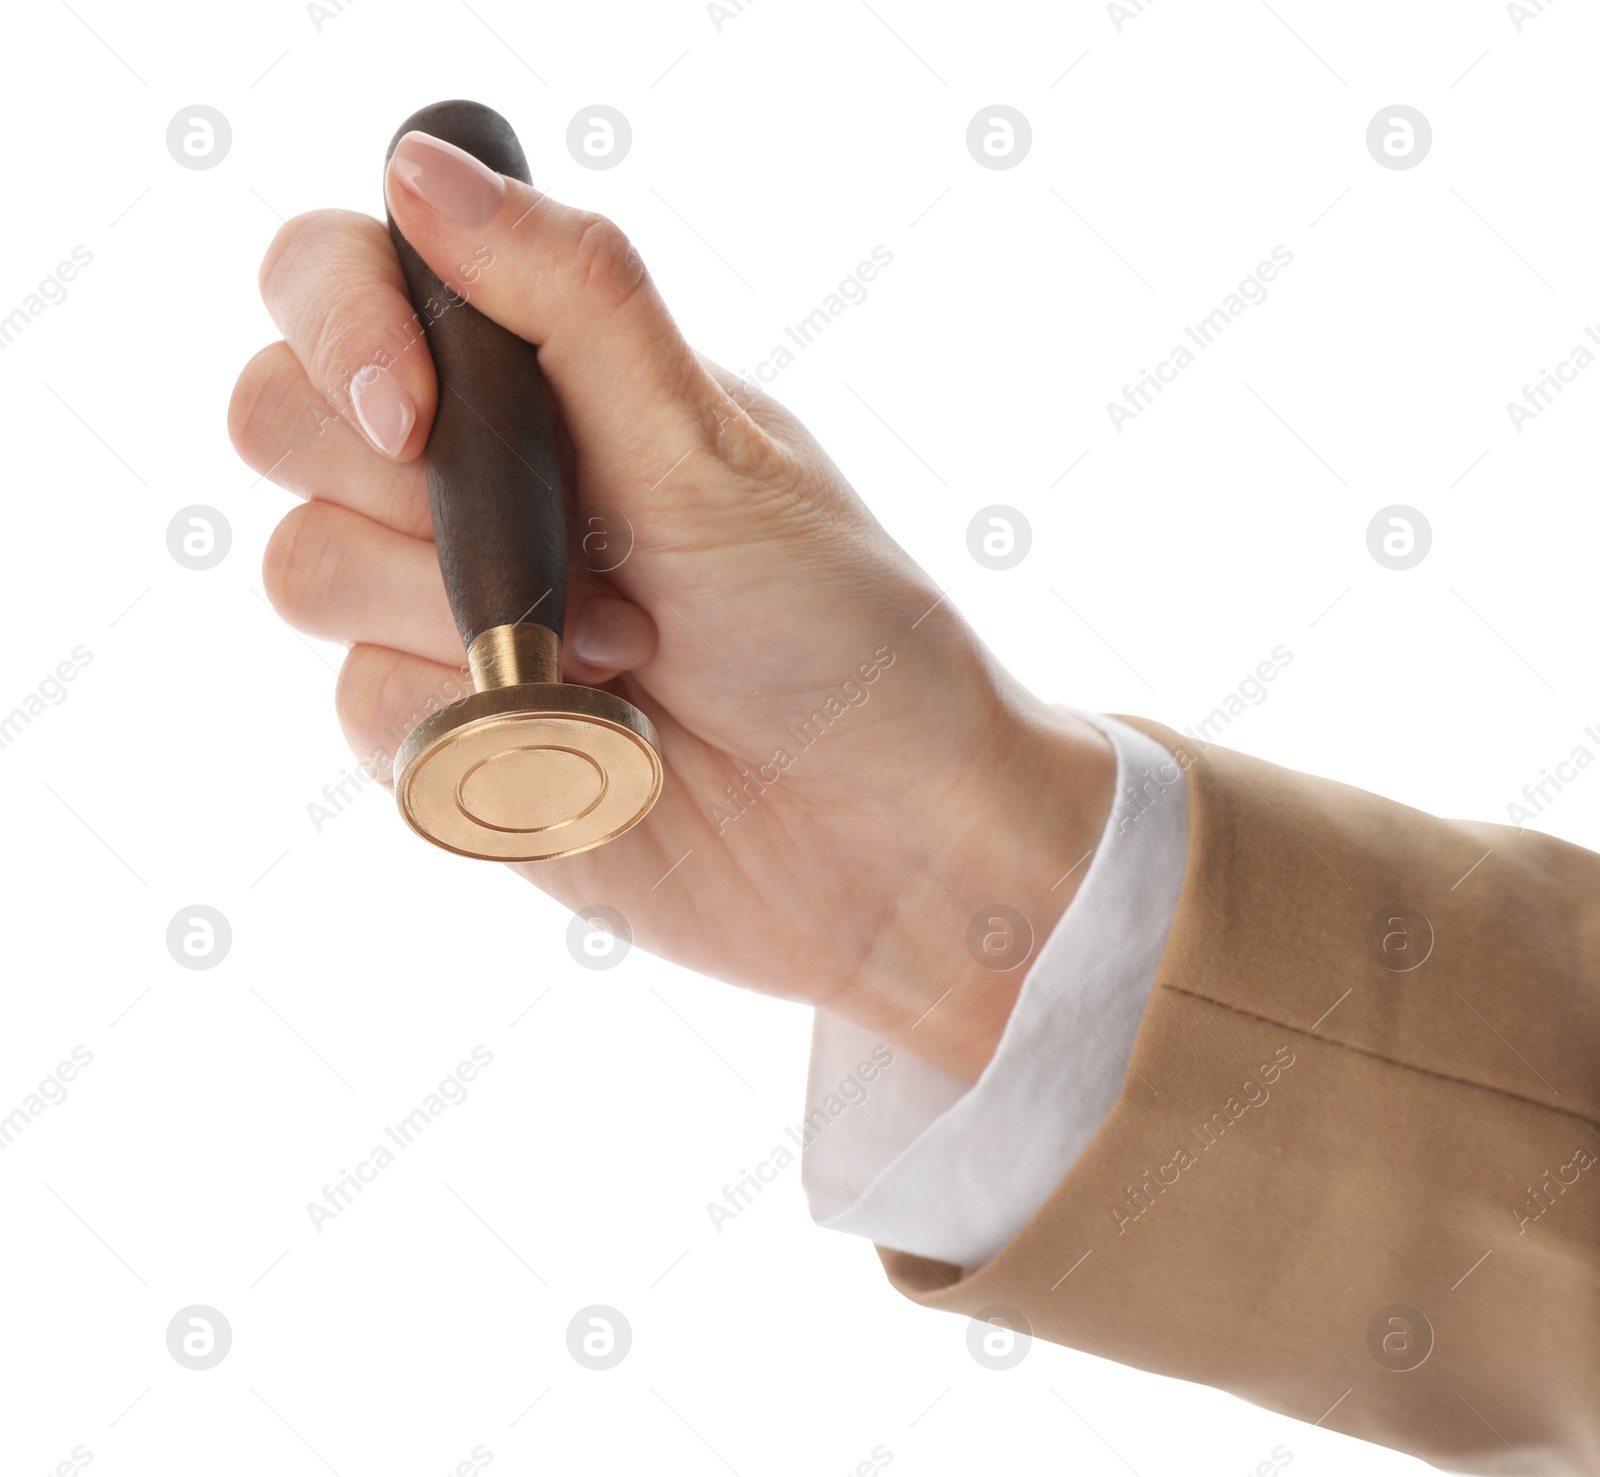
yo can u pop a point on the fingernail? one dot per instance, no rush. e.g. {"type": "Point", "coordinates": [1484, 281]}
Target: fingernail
{"type": "Point", "coordinates": [612, 633]}
{"type": "Point", "coordinates": [383, 408]}
{"type": "Point", "coordinates": [449, 179]}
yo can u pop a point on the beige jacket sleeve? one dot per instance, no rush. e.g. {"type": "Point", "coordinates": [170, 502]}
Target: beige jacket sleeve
{"type": "Point", "coordinates": [1354, 1173]}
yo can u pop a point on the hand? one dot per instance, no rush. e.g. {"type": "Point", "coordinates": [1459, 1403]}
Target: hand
{"type": "Point", "coordinates": [850, 774]}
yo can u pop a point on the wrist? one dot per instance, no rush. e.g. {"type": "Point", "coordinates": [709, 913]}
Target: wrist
{"type": "Point", "coordinates": [1024, 808]}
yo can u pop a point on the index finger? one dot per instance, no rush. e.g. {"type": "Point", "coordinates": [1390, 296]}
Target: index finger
{"type": "Point", "coordinates": [333, 285]}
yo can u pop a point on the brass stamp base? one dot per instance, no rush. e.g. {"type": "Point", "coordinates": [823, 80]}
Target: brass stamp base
{"type": "Point", "coordinates": [528, 772]}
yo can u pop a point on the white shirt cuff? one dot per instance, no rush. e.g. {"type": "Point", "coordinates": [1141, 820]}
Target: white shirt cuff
{"type": "Point", "coordinates": [913, 1158]}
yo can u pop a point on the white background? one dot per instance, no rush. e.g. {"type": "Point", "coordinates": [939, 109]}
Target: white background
{"type": "Point", "coordinates": [769, 157]}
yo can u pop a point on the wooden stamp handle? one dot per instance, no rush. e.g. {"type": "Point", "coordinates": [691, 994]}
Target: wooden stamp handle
{"type": "Point", "coordinates": [493, 480]}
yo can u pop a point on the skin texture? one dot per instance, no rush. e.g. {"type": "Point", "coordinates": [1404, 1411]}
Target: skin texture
{"type": "Point", "coordinates": [757, 586]}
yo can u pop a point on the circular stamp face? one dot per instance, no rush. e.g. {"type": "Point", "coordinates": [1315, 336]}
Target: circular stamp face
{"type": "Point", "coordinates": [1400, 1337]}
{"type": "Point", "coordinates": [533, 787]}
{"type": "Point", "coordinates": [199, 1337]}
{"type": "Point", "coordinates": [599, 1337]}
{"type": "Point", "coordinates": [999, 1337]}
{"type": "Point", "coordinates": [527, 773]}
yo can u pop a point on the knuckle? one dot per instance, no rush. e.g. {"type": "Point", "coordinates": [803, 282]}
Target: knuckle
{"type": "Point", "coordinates": [286, 243]}
{"type": "Point", "coordinates": [754, 454]}
{"type": "Point", "coordinates": [606, 265]}
{"type": "Point", "coordinates": [345, 345]}
{"type": "Point", "coordinates": [745, 446]}
{"type": "Point", "coordinates": [272, 260]}
{"type": "Point", "coordinates": [296, 565]}
{"type": "Point", "coordinates": [324, 278]}
{"type": "Point", "coordinates": [255, 410]}
{"type": "Point", "coordinates": [361, 698]}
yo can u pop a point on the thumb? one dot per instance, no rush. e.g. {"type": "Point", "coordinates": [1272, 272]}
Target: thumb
{"type": "Point", "coordinates": [571, 282]}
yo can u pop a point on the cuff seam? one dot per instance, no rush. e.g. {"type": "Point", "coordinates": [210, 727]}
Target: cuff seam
{"type": "Point", "coordinates": [1379, 1056]}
